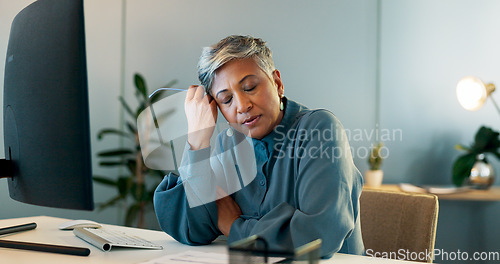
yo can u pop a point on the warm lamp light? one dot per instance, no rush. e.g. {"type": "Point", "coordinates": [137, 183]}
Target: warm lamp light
{"type": "Point", "coordinates": [472, 93]}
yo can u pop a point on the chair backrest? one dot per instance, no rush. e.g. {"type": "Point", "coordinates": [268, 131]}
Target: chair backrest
{"type": "Point", "coordinates": [399, 225]}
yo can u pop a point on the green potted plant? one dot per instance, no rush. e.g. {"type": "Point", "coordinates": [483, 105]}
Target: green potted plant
{"type": "Point", "coordinates": [374, 176]}
{"type": "Point", "coordinates": [472, 168]}
{"type": "Point", "coordinates": [134, 187]}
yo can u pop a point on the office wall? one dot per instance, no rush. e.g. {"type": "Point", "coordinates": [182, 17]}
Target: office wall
{"type": "Point", "coordinates": [426, 47]}
{"type": "Point", "coordinates": [103, 31]}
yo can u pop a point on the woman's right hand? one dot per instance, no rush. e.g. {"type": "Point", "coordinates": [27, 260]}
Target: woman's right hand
{"type": "Point", "coordinates": [201, 113]}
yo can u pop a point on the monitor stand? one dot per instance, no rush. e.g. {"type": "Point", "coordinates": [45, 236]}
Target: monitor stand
{"type": "Point", "coordinates": [7, 168]}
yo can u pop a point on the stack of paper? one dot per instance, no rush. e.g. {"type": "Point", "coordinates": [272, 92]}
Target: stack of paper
{"type": "Point", "coordinates": [432, 189]}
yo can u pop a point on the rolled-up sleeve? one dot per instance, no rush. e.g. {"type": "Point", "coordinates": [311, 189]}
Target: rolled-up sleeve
{"type": "Point", "coordinates": [193, 225]}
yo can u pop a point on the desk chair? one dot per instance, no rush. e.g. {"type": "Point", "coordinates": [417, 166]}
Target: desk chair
{"type": "Point", "coordinates": [398, 223]}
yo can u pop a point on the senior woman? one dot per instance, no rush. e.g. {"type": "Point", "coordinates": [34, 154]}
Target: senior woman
{"type": "Point", "coordinates": [305, 185]}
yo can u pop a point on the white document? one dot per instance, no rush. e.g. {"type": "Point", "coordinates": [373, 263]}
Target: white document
{"type": "Point", "coordinates": [191, 257]}
{"type": "Point", "coordinates": [433, 189]}
{"type": "Point", "coordinates": [196, 257]}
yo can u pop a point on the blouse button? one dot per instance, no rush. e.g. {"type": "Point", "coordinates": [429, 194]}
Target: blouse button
{"type": "Point", "coordinates": [262, 182]}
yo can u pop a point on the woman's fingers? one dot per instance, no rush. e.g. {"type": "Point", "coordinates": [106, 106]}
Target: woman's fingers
{"type": "Point", "coordinates": [201, 113]}
{"type": "Point", "coordinates": [191, 92]}
{"type": "Point", "coordinates": [200, 92]}
{"type": "Point", "coordinates": [195, 92]}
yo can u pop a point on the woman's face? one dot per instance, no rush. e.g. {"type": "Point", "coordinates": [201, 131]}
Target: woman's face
{"type": "Point", "coordinates": [248, 98]}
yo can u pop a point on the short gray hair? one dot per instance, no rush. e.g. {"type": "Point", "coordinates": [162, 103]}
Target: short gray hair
{"type": "Point", "coordinates": [232, 48]}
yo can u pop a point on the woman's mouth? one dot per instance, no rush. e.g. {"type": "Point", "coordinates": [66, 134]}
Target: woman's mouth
{"type": "Point", "coordinates": [252, 120]}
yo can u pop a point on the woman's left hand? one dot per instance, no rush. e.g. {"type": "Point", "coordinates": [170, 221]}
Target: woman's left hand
{"type": "Point", "coordinates": [227, 211]}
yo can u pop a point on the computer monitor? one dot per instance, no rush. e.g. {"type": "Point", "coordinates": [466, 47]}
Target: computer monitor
{"type": "Point", "coordinates": [46, 115]}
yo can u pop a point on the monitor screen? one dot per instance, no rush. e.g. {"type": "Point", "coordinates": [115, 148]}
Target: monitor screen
{"type": "Point", "coordinates": [46, 117]}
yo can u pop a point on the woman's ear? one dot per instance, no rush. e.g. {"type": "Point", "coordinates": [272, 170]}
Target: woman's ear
{"type": "Point", "coordinates": [278, 82]}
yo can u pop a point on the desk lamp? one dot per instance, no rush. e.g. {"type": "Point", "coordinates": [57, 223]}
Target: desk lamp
{"type": "Point", "coordinates": [472, 93]}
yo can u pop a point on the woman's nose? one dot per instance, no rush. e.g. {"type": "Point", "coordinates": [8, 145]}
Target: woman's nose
{"type": "Point", "coordinates": [243, 104]}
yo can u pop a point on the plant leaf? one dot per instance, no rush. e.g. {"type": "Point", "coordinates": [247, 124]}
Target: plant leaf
{"type": "Point", "coordinates": [112, 163]}
{"type": "Point", "coordinates": [103, 132]}
{"type": "Point", "coordinates": [150, 195]}
{"type": "Point", "coordinates": [140, 84]}
{"type": "Point", "coordinates": [139, 192]}
{"type": "Point", "coordinates": [104, 180]}
{"type": "Point", "coordinates": [462, 147]}
{"type": "Point", "coordinates": [123, 184]}
{"type": "Point", "coordinates": [115, 152]}
{"type": "Point", "coordinates": [486, 140]}
{"type": "Point", "coordinates": [131, 127]}
{"type": "Point", "coordinates": [110, 202]}
{"type": "Point", "coordinates": [132, 213]}
{"type": "Point", "coordinates": [131, 164]}
{"type": "Point", "coordinates": [126, 106]}
{"type": "Point", "coordinates": [375, 159]}
{"type": "Point", "coordinates": [497, 155]}
{"type": "Point", "coordinates": [462, 167]}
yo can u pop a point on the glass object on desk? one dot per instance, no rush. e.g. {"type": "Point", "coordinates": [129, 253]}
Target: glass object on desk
{"type": "Point", "coordinates": [482, 174]}
{"type": "Point", "coordinates": [254, 249]}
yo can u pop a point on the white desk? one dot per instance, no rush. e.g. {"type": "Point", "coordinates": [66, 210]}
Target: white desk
{"type": "Point", "coordinates": [47, 232]}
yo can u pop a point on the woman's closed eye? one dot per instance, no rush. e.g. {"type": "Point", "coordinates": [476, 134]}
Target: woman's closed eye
{"type": "Point", "coordinates": [227, 99]}
{"type": "Point", "coordinates": [250, 89]}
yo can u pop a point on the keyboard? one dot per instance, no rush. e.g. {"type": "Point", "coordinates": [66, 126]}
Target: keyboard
{"type": "Point", "coordinates": [105, 238]}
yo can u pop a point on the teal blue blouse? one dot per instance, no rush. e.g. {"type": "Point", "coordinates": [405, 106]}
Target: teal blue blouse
{"type": "Point", "coordinates": [303, 185]}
